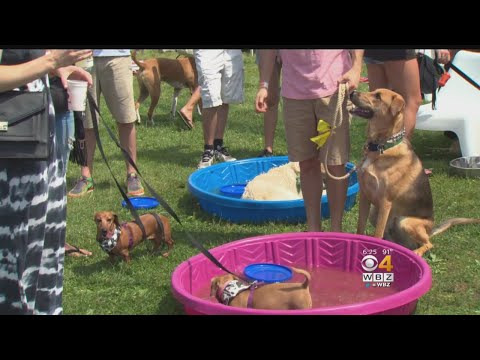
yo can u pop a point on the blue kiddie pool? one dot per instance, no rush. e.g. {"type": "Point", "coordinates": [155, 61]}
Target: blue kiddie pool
{"type": "Point", "coordinates": [217, 189]}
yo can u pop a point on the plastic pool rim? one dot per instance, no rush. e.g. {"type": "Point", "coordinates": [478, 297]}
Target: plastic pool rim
{"type": "Point", "coordinates": [404, 297]}
{"type": "Point", "coordinates": [238, 210]}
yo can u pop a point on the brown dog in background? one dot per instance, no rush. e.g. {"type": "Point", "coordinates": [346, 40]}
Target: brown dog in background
{"type": "Point", "coordinates": [118, 239]}
{"type": "Point", "coordinates": [179, 73]}
{"type": "Point", "coordinates": [278, 296]}
{"type": "Point", "coordinates": [391, 176]}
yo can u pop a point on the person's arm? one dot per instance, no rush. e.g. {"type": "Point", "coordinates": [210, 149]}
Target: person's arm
{"type": "Point", "coordinates": [12, 76]}
{"type": "Point", "coordinates": [265, 65]}
{"type": "Point", "coordinates": [352, 76]}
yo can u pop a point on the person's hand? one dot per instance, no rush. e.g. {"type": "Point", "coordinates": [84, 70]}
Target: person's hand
{"type": "Point", "coordinates": [443, 56]}
{"type": "Point", "coordinates": [73, 73]}
{"type": "Point", "coordinates": [261, 100]}
{"type": "Point", "coordinates": [63, 58]}
{"type": "Point", "coordinates": [352, 78]}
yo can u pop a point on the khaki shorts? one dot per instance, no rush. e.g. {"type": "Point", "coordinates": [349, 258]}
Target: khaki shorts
{"type": "Point", "coordinates": [113, 78]}
{"type": "Point", "coordinates": [220, 76]}
{"type": "Point", "coordinates": [301, 120]}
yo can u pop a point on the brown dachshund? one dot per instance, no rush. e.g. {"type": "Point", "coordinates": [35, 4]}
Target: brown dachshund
{"type": "Point", "coordinates": [118, 239]}
{"type": "Point", "coordinates": [391, 176]}
{"type": "Point", "coordinates": [278, 296]}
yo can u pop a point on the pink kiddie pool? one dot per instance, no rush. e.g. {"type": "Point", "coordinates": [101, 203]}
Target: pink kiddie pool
{"type": "Point", "coordinates": [351, 274]}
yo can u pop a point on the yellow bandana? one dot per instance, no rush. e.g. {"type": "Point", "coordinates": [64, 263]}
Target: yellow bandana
{"type": "Point", "coordinates": [324, 130]}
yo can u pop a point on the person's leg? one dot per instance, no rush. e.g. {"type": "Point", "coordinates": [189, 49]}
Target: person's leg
{"type": "Point", "coordinates": [128, 140]}
{"type": "Point", "coordinates": [404, 78]}
{"type": "Point", "coordinates": [85, 184]}
{"type": "Point", "coordinates": [231, 93]}
{"type": "Point", "coordinates": [312, 188]}
{"type": "Point", "coordinates": [271, 116]}
{"type": "Point", "coordinates": [186, 112]}
{"type": "Point", "coordinates": [377, 78]}
{"type": "Point", "coordinates": [338, 148]}
{"type": "Point", "coordinates": [209, 64]}
{"type": "Point", "coordinates": [117, 89]}
{"type": "Point", "coordinates": [337, 195]}
{"type": "Point", "coordinates": [300, 125]}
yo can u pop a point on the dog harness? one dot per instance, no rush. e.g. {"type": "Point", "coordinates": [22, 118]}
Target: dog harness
{"type": "Point", "coordinates": [109, 244]}
{"type": "Point", "coordinates": [391, 142]}
{"type": "Point", "coordinates": [232, 288]}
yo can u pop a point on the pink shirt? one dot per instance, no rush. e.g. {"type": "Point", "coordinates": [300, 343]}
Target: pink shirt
{"type": "Point", "coordinates": [312, 74]}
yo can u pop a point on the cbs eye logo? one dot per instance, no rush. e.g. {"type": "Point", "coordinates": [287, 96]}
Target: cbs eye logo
{"type": "Point", "coordinates": [369, 263]}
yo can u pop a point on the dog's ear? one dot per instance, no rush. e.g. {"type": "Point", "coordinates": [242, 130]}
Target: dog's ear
{"type": "Point", "coordinates": [115, 220]}
{"type": "Point", "coordinates": [214, 286]}
{"type": "Point", "coordinates": [95, 217]}
{"type": "Point", "coordinates": [397, 104]}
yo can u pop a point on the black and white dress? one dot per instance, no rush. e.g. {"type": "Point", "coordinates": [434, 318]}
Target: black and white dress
{"type": "Point", "coordinates": [32, 227]}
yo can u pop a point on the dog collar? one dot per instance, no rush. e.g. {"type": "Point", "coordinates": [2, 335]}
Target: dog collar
{"type": "Point", "coordinates": [392, 141]}
{"type": "Point", "coordinates": [231, 289]}
{"type": "Point", "coordinates": [108, 244]}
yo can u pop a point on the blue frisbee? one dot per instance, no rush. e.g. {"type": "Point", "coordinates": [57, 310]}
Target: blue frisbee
{"type": "Point", "coordinates": [268, 273]}
{"type": "Point", "coordinates": [235, 190]}
{"type": "Point", "coordinates": [142, 202]}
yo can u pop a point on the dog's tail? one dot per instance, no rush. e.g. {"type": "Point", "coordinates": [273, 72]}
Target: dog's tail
{"type": "Point", "coordinates": [451, 222]}
{"type": "Point", "coordinates": [139, 63]}
{"type": "Point", "coordinates": [305, 273]}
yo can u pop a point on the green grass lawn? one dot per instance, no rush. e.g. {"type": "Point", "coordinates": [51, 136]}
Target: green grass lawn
{"type": "Point", "coordinates": [167, 155]}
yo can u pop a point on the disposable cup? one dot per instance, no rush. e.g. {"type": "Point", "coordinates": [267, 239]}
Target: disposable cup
{"type": "Point", "coordinates": [77, 95]}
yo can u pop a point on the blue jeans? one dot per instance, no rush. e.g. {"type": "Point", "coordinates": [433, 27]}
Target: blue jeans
{"type": "Point", "coordinates": [65, 135]}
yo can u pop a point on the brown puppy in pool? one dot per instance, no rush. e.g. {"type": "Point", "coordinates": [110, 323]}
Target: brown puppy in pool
{"type": "Point", "coordinates": [230, 290]}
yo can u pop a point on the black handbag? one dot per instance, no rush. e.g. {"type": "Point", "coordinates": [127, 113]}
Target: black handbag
{"type": "Point", "coordinates": [26, 129]}
{"type": "Point", "coordinates": [430, 72]}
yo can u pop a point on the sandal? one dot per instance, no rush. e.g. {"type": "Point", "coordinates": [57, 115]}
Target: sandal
{"type": "Point", "coordinates": [75, 251]}
{"type": "Point", "coordinates": [188, 123]}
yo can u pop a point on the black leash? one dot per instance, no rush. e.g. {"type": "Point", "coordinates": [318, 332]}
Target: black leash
{"type": "Point", "coordinates": [94, 110]}
{"type": "Point", "coordinates": [465, 76]}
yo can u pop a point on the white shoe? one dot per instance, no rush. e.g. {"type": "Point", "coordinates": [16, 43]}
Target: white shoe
{"type": "Point", "coordinates": [207, 159]}
{"type": "Point", "coordinates": [222, 154]}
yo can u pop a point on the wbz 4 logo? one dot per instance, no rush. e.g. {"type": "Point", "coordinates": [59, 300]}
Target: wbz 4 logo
{"type": "Point", "coordinates": [379, 279]}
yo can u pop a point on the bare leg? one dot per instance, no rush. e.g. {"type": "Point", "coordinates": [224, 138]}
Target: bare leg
{"type": "Point", "coordinates": [312, 188]}
{"type": "Point", "coordinates": [221, 121]}
{"type": "Point", "coordinates": [128, 140]}
{"type": "Point", "coordinates": [404, 78]}
{"type": "Point", "coordinates": [377, 78]}
{"type": "Point", "coordinates": [337, 194]}
{"type": "Point", "coordinates": [209, 123]}
{"type": "Point", "coordinates": [91, 144]}
{"type": "Point", "coordinates": [187, 109]}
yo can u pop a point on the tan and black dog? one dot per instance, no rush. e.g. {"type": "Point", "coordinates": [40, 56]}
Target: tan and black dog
{"type": "Point", "coordinates": [118, 239]}
{"type": "Point", "coordinates": [179, 73]}
{"type": "Point", "coordinates": [278, 296]}
{"type": "Point", "coordinates": [392, 178]}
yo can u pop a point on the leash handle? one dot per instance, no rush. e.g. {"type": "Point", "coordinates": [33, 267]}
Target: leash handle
{"type": "Point", "coordinates": [342, 91]}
